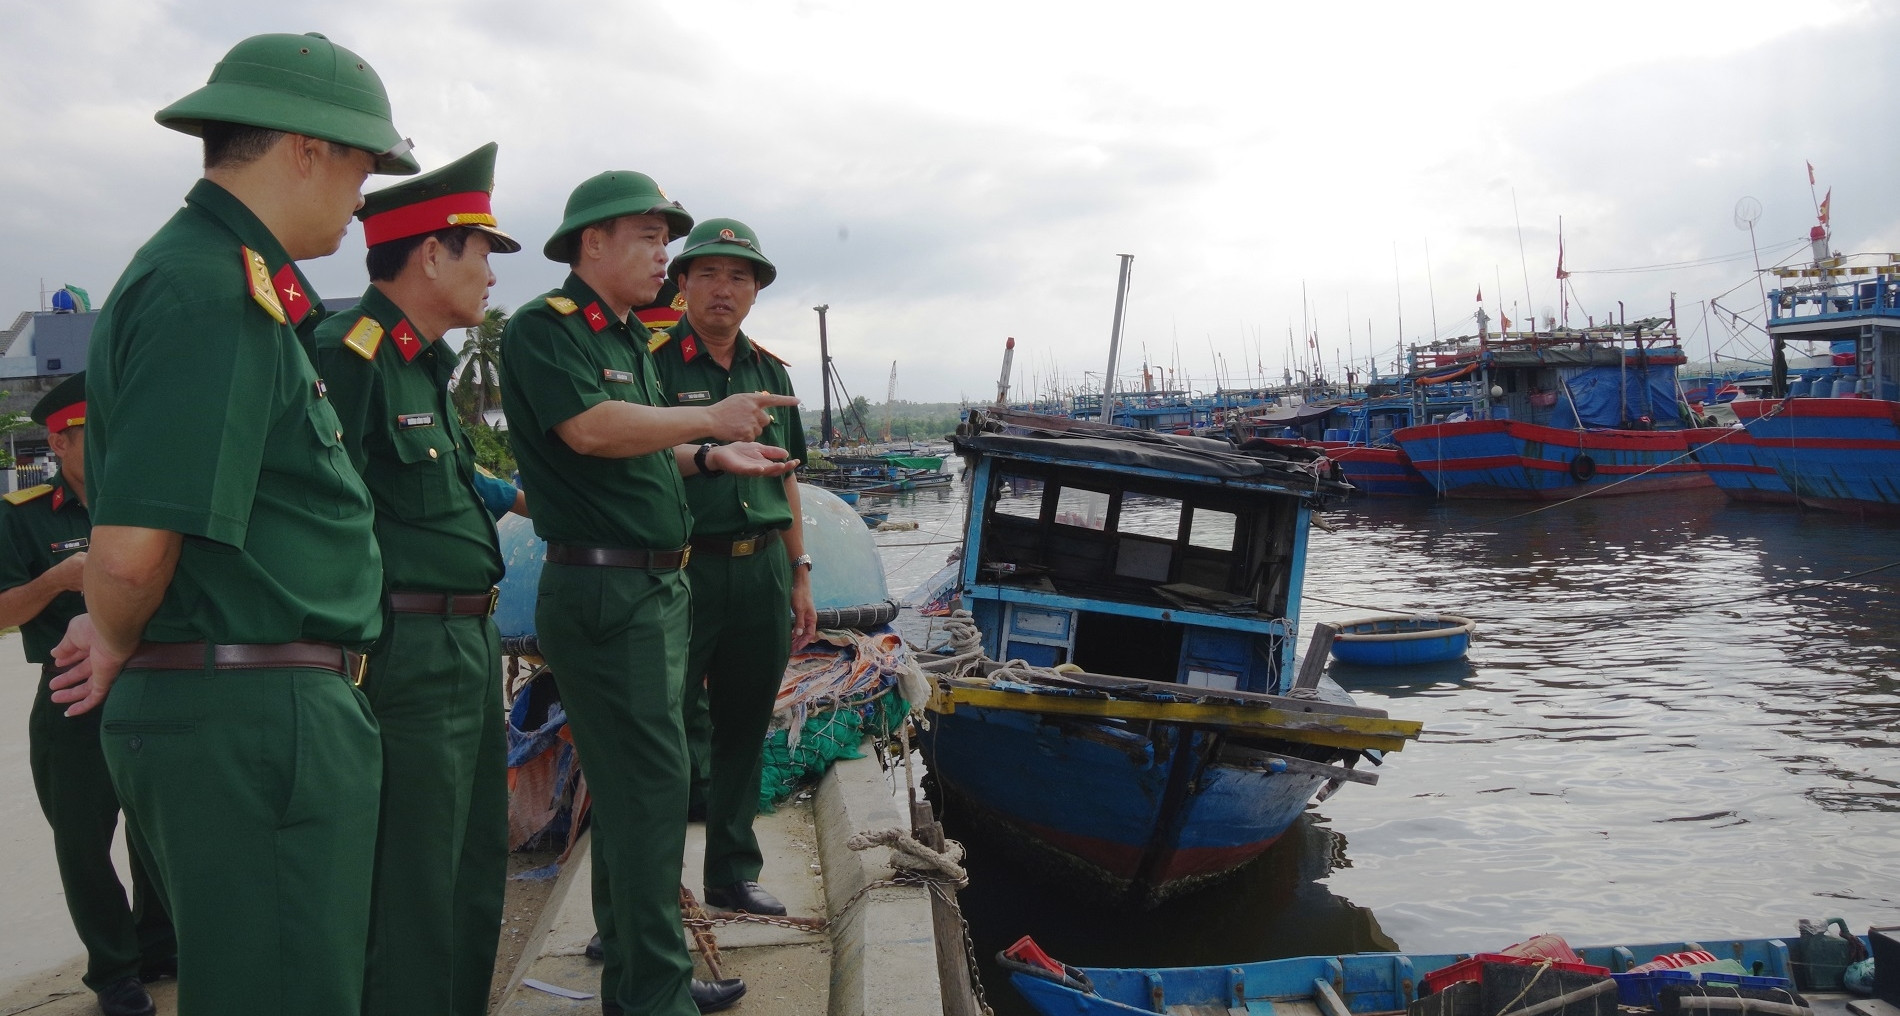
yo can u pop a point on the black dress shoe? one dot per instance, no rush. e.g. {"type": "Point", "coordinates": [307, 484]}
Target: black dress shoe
{"type": "Point", "coordinates": [708, 996]}
{"type": "Point", "coordinates": [712, 996]}
{"type": "Point", "coordinates": [746, 898]}
{"type": "Point", "coordinates": [594, 950]}
{"type": "Point", "coordinates": [128, 997]}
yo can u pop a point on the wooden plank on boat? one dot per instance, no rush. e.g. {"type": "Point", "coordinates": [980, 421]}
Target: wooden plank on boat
{"type": "Point", "coordinates": [1109, 683]}
{"type": "Point", "coordinates": [1329, 1000]}
{"type": "Point", "coordinates": [1313, 664]}
{"type": "Point", "coordinates": [1255, 756]}
{"type": "Point", "coordinates": [1329, 729]}
{"type": "Point", "coordinates": [1203, 1010]}
{"type": "Point", "coordinates": [1295, 1007]}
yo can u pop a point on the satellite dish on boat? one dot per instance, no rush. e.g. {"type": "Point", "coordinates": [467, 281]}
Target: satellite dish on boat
{"type": "Point", "coordinates": [1747, 210]}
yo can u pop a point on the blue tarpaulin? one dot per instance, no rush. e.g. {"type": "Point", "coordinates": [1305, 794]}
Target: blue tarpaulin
{"type": "Point", "coordinates": [1612, 397]}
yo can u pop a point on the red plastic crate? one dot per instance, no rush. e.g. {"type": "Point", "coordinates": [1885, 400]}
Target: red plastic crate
{"type": "Point", "coordinates": [1469, 970]}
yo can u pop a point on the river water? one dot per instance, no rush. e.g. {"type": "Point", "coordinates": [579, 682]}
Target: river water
{"type": "Point", "coordinates": [1665, 730]}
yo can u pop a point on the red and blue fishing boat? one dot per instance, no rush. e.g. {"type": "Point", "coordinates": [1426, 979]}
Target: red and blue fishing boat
{"type": "Point", "coordinates": [1832, 441]}
{"type": "Point", "coordinates": [1125, 706]}
{"type": "Point", "coordinates": [1558, 413]}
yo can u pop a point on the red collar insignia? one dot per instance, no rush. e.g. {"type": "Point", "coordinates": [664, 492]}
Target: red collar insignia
{"type": "Point", "coordinates": [406, 342]}
{"type": "Point", "coordinates": [689, 348]}
{"type": "Point", "coordinates": [596, 318]}
{"type": "Point", "coordinates": [296, 301]}
{"type": "Point", "coordinates": [59, 497]}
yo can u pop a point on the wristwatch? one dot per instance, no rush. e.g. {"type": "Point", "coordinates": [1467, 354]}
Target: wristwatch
{"type": "Point", "coordinates": [699, 461]}
{"type": "Point", "coordinates": [804, 561]}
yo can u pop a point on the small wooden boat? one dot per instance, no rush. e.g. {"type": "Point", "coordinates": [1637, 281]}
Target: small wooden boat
{"type": "Point", "coordinates": [1401, 640]}
{"type": "Point", "coordinates": [1390, 983]}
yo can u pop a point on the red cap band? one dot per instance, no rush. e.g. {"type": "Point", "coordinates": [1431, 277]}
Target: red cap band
{"type": "Point", "coordinates": [71, 416]}
{"type": "Point", "coordinates": [470, 209]}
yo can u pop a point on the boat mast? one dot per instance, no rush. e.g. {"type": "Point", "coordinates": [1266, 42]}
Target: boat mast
{"type": "Point", "coordinates": [1115, 339]}
{"type": "Point", "coordinates": [824, 376]}
{"type": "Point", "coordinates": [1002, 381]}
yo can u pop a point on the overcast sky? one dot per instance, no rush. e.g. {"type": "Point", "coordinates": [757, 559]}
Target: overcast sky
{"type": "Point", "coordinates": [947, 175]}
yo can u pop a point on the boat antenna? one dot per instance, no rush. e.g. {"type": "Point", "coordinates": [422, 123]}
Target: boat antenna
{"type": "Point", "coordinates": [1431, 288]}
{"type": "Point", "coordinates": [1115, 339]}
{"type": "Point", "coordinates": [1747, 210]}
{"type": "Point", "coordinates": [1523, 261]}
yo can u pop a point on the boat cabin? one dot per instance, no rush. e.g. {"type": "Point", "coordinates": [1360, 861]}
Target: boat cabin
{"type": "Point", "coordinates": [1149, 556]}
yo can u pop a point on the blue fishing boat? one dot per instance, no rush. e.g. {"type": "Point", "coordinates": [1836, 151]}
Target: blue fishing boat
{"type": "Point", "coordinates": [1392, 982]}
{"type": "Point", "coordinates": [1125, 706]}
{"type": "Point", "coordinates": [1832, 442]}
{"type": "Point", "coordinates": [1403, 640]}
{"type": "Point", "coordinates": [1558, 413]}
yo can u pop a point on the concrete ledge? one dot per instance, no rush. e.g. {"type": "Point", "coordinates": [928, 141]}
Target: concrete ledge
{"type": "Point", "coordinates": [884, 954]}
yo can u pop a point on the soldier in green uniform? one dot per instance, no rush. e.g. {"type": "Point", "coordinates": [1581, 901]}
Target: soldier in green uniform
{"type": "Point", "coordinates": [43, 537]}
{"type": "Point", "coordinates": [750, 575]}
{"type": "Point", "coordinates": [434, 679]}
{"type": "Point", "coordinates": [602, 464]}
{"type": "Point", "coordinates": [233, 574]}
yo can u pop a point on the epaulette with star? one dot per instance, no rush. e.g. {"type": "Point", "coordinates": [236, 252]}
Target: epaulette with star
{"type": "Point", "coordinates": [279, 294]}
{"type": "Point", "coordinates": [562, 305]}
{"type": "Point", "coordinates": [26, 494]}
{"type": "Point", "coordinates": [660, 337]}
{"type": "Point", "coordinates": [364, 337]}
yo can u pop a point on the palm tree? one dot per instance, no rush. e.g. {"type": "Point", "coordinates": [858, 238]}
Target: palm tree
{"type": "Point", "coordinates": [478, 370]}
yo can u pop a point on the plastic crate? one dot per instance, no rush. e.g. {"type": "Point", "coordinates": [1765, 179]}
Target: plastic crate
{"type": "Point", "coordinates": [1644, 990]}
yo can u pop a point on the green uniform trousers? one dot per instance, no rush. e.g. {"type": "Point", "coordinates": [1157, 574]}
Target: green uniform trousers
{"type": "Point", "coordinates": [434, 684]}
{"type": "Point", "coordinates": [616, 639]}
{"type": "Point", "coordinates": [256, 792]}
{"type": "Point", "coordinates": [69, 772]}
{"type": "Point", "coordinates": [742, 637]}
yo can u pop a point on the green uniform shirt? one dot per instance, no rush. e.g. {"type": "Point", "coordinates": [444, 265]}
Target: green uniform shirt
{"type": "Point", "coordinates": [38, 531]}
{"type": "Point", "coordinates": [562, 355]}
{"type": "Point", "coordinates": [728, 505]}
{"type": "Point", "coordinates": [404, 437]}
{"type": "Point", "coordinates": [204, 417]}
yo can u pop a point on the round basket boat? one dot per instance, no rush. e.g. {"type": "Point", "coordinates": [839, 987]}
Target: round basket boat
{"type": "Point", "coordinates": [1399, 640]}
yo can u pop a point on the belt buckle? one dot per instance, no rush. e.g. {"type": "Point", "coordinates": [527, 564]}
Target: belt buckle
{"type": "Point", "coordinates": [745, 547]}
{"type": "Point", "coordinates": [357, 670]}
{"type": "Point", "coordinates": [686, 555]}
{"type": "Point", "coordinates": [494, 599]}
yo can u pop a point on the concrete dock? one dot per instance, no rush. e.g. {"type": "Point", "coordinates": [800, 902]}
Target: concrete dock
{"type": "Point", "coordinates": [876, 957]}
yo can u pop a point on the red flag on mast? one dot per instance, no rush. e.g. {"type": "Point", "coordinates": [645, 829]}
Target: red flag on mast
{"type": "Point", "coordinates": [1480, 294]}
{"type": "Point", "coordinates": [1810, 174]}
{"type": "Point", "coordinates": [1560, 258]}
{"type": "Point", "coordinates": [1824, 205]}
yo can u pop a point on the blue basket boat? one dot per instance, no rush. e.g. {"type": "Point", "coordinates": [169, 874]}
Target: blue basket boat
{"type": "Point", "coordinates": [1403, 640]}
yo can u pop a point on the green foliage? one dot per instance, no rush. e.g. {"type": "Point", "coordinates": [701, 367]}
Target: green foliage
{"type": "Point", "coordinates": [478, 370]}
{"type": "Point", "coordinates": [8, 425]}
{"type": "Point", "coordinates": [491, 449]}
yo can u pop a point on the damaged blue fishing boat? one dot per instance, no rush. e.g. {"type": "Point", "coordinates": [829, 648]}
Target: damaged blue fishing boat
{"type": "Point", "coordinates": [1124, 701]}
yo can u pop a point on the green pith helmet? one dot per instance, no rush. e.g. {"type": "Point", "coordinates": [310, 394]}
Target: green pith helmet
{"type": "Point", "coordinates": [454, 195]}
{"type": "Point", "coordinates": [302, 84]}
{"type": "Point", "coordinates": [609, 196]}
{"type": "Point", "coordinates": [727, 238]}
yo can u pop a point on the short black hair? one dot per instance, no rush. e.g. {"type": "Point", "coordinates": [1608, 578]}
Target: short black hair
{"type": "Point", "coordinates": [385, 260]}
{"type": "Point", "coordinates": [234, 144]}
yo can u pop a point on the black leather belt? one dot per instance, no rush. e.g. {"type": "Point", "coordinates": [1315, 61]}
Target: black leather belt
{"type": "Point", "coordinates": [444, 603]}
{"type": "Point", "coordinates": [246, 656]}
{"type": "Point", "coordinates": [619, 557]}
{"type": "Point", "coordinates": [734, 546]}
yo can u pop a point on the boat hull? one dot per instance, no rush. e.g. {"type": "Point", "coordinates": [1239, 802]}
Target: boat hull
{"type": "Point", "coordinates": [1837, 454]}
{"type": "Point", "coordinates": [1735, 463]}
{"type": "Point", "coordinates": [1511, 459]}
{"type": "Point", "coordinates": [1111, 810]}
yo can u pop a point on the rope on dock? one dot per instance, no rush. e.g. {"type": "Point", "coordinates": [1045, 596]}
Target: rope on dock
{"type": "Point", "coordinates": [911, 855]}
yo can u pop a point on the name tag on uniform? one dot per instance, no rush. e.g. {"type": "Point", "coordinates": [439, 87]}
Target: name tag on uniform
{"type": "Point", "coordinates": [619, 377]}
{"type": "Point", "coordinates": [413, 421]}
{"type": "Point", "coordinates": [695, 397]}
{"type": "Point", "coordinates": [65, 545]}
